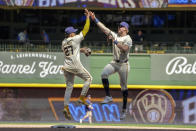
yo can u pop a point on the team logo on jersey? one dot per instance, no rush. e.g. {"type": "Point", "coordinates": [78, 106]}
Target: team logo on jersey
{"type": "Point", "coordinates": [153, 106]}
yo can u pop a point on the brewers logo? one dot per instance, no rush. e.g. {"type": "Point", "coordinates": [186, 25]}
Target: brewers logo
{"type": "Point", "coordinates": [153, 106]}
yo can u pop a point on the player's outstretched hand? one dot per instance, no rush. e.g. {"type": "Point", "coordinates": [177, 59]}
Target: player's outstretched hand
{"type": "Point", "coordinates": [86, 12]}
{"type": "Point", "coordinates": [92, 15]}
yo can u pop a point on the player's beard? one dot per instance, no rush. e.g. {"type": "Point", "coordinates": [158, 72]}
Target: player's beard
{"type": "Point", "coordinates": [122, 32]}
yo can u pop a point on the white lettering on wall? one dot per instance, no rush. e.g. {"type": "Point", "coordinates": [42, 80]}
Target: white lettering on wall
{"type": "Point", "coordinates": [47, 68]}
{"type": "Point", "coordinates": [131, 3]}
{"type": "Point", "coordinates": [179, 65]}
{"type": "Point", "coordinates": [103, 1]}
{"type": "Point", "coordinates": [14, 69]}
{"type": "Point", "coordinates": [120, 3]}
{"type": "Point", "coordinates": [70, 1]}
{"type": "Point", "coordinates": [54, 2]}
{"type": "Point", "coordinates": [31, 55]}
{"type": "Point", "coordinates": [187, 112]}
{"type": "Point", "coordinates": [44, 3]}
{"type": "Point", "coordinates": [19, 2]}
{"type": "Point", "coordinates": [113, 2]}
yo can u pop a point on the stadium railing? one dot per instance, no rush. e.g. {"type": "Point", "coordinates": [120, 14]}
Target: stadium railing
{"type": "Point", "coordinates": [98, 46]}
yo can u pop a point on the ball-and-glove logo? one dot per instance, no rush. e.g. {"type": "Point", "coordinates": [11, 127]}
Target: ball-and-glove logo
{"type": "Point", "coordinates": [153, 106]}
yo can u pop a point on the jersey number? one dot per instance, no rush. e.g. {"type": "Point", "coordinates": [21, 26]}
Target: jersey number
{"type": "Point", "coordinates": [68, 50]}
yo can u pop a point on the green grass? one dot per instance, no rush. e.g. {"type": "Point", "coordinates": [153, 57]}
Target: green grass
{"type": "Point", "coordinates": [101, 124]}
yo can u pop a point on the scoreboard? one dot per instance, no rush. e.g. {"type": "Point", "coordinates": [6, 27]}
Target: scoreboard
{"type": "Point", "coordinates": [122, 4]}
{"type": "Point", "coordinates": [182, 3]}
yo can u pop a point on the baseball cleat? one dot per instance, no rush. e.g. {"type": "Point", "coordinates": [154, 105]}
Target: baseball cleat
{"type": "Point", "coordinates": [123, 115]}
{"type": "Point", "coordinates": [107, 99]}
{"type": "Point", "coordinates": [80, 120]}
{"type": "Point", "coordinates": [67, 113]}
{"type": "Point", "coordinates": [82, 100]}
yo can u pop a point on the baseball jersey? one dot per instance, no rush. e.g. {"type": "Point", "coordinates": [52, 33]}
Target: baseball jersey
{"type": "Point", "coordinates": [117, 53]}
{"type": "Point", "coordinates": [89, 107]}
{"type": "Point", "coordinates": [71, 49]}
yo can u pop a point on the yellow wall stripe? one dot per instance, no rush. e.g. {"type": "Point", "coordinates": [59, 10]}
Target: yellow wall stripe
{"type": "Point", "coordinates": [38, 85]}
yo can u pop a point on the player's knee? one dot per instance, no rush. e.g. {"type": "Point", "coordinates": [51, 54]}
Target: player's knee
{"type": "Point", "coordinates": [123, 86]}
{"type": "Point", "coordinates": [69, 84]}
{"type": "Point", "coordinates": [89, 79]}
{"type": "Point", "coordinates": [104, 75]}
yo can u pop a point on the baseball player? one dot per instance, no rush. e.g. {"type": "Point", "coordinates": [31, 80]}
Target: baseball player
{"type": "Point", "coordinates": [72, 65]}
{"type": "Point", "coordinates": [122, 43]}
{"type": "Point", "coordinates": [88, 109]}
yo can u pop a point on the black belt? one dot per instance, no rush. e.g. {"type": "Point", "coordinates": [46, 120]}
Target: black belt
{"type": "Point", "coordinates": [118, 61]}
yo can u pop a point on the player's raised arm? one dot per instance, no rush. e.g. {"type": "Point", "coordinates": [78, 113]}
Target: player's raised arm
{"type": "Point", "coordinates": [99, 24]}
{"type": "Point", "coordinates": [87, 24]}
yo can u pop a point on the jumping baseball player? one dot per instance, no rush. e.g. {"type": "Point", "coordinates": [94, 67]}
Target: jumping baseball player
{"type": "Point", "coordinates": [122, 43]}
{"type": "Point", "coordinates": [72, 65]}
{"type": "Point", "coordinates": [88, 109]}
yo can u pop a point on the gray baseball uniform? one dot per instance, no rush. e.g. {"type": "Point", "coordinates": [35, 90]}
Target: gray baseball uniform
{"type": "Point", "coordinates": [73, 66]}
{"type": "Point", "coordinates": [120, 62]}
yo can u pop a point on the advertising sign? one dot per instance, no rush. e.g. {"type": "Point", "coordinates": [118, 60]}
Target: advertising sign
{"type": "Point", "coordinates": [144, 106]}
{"type": "Point", "coordinates": [33, 67]}
{"type": "Point", "coordinates": [88, 3]}
{"type": "Point", "coordinates": [173, 67]}
{"type": "Point", "coordinates": [154, 106]}
{"type": "Point", "coordinates": [181, 3]}
{"type": "Point", "coordinates": [36, 65]}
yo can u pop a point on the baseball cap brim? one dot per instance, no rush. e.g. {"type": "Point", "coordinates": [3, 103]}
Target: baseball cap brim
{"type": "Point", "coordinates": [124, 24]}
{"type": "Point", "coordinates": [75, 30]}
{"type": "Point", "coordinates": [70, 30]}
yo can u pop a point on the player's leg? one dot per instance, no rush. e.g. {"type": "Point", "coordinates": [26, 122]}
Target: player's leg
{"type": "Point", "coordinates": [123, 74]}
{"type": "Point", "coordinates": [87, 115]}
{"type": "Point", "coordinates": [85, 75]}
{"type": "Point", "coordinates": [90, 117]}
{"type": "Point", "coordinates": [69, 87]}
{"type": "Point", "coordinates": [107, 71]}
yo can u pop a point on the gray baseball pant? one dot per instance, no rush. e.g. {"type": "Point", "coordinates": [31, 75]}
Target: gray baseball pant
{"type": "Point", "coordinates": [83, 74]}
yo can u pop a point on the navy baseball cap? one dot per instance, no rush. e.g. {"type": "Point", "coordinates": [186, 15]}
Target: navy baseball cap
{"type": "Point", "coordinates": [124, 24]}
{"type": "Point", "coordinates": [70, 30]}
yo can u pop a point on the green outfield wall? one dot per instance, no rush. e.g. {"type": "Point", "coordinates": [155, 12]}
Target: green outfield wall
{"type": "Point", "coordinates": [38, 68]}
